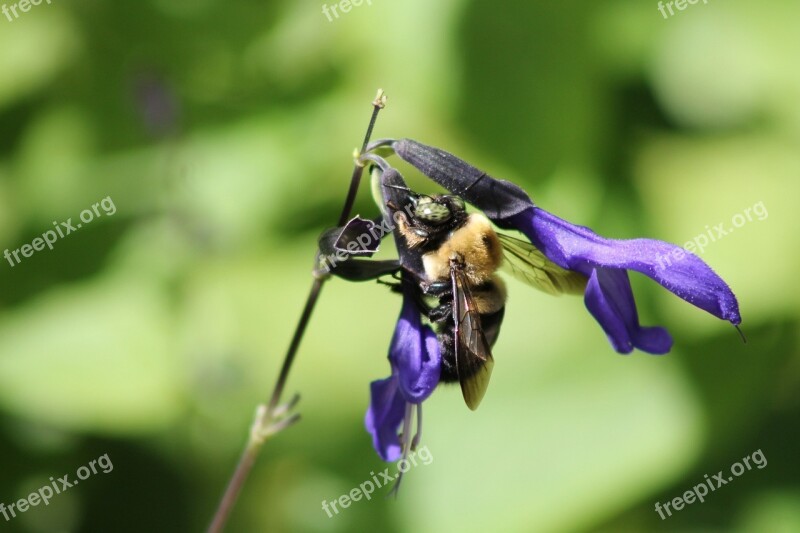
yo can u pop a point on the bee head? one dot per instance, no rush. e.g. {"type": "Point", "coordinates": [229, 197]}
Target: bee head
{"type": "Point", "coordinates": [440, 209]}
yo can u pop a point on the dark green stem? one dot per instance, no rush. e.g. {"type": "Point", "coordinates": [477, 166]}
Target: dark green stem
{"type": "Point", "coordinates": [271, 419]}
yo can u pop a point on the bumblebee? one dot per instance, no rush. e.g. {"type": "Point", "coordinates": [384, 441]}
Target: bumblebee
{"type": "Point", "coordinates": [461, 254]}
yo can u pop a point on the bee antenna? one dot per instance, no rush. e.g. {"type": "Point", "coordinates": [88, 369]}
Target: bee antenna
{"type": "Point", "coordinates": [399, 187]}
{"type": "Point", "coordinates": [741, 333]}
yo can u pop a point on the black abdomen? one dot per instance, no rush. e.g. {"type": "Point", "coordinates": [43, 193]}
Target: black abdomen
{"type": "Point", "coordinates": [490, 323]}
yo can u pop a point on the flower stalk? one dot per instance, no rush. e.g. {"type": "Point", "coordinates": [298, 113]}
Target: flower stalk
{"type": "Point", "coordinates": [272, 418]}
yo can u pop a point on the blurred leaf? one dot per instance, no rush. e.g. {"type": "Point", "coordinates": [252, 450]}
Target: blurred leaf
{"type": "Point", "coordinates": [35, 48]}
{"type": "Point", "coordinates": [91, 358]}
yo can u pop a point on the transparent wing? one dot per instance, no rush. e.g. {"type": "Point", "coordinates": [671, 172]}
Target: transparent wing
{"type": "Point", "coordinates": [526, 263]}
{"type": "Point", "coordinates": [474, 360]}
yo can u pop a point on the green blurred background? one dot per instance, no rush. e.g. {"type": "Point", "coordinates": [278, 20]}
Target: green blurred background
{"type": "Point", "coordinates": [223, 131]}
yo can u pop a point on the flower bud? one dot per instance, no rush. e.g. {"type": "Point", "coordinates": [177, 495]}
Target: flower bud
{"type": "Point", "coordinates": [498, 199]}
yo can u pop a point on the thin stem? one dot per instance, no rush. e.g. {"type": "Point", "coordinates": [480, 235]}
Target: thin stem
{"type": "Point", "coordinates": [355, 180]}
{"type": "Point", "coordinates": [246, 463]}
{"type": "Point", "coordinates": [270, 419]}
{"type": "Point", "coordinates": [300, 329]}
{"type": "Point", "coordinates": [316, 286]}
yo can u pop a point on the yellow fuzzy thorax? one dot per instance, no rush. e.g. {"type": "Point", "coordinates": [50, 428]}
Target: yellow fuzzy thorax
{"type": "Point", "coordinates": [477, 245]}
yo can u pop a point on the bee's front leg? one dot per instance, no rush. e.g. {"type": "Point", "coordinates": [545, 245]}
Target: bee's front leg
{"type": "Point", "coordinates": [396, 285]}
{"type": "Point", "coordinates": [414, 235]}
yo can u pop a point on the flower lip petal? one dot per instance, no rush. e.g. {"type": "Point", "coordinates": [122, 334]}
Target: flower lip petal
{"type": "Point", "coordinates": [609, 299]}
{"type": "Point", "coordinates": [415, 354]}
{"type": "Point", "coordinates": [383, 418]}
{"type": "Point", "coordinates": [416, 369]}
{"type": "Point", "coordinates": [579, 248]}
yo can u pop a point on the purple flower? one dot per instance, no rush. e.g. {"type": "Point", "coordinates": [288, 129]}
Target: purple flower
{"type": "Point", "coordinates": [605, 262]}
{"type": "Point", "coordinates": [414, 355]}
{"type": "Point", "coordinates": [416, 365]}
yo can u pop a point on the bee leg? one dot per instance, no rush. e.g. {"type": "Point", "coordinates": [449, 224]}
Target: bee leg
{"type": "Point", "coordinates": [447, 346]}
{"type": "Point", "coordinates": [421, 233]}
{"type": "Point", "coordinates": [437, 288]}
{"type": "Point", "coordinates": [394, 286]}
{"type": "Point", "coordinates": [443, 291]}
{"type": "Point", "coordinates": [415, 235]}
{"type": "Point", "coordinates": [441, 313]}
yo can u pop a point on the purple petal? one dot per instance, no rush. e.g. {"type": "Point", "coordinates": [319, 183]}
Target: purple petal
{"type": "Point", "coordinates": [609, 299]}
{"type": "Point", "coordinates": [415, 354]}
{"type": "Point", "coordinates": [579, 248]}
{"type": "Point", "coordinates": [385, 413]}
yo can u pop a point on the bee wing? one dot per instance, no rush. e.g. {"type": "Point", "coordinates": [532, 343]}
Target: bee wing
{"type": "Point", "coordinates": [528, 264]}
{"type": "Point", "coordinates": [474, 359]}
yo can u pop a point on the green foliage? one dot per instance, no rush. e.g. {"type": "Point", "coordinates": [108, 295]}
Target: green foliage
{"type": "Point", "coordinates": [224, 132]}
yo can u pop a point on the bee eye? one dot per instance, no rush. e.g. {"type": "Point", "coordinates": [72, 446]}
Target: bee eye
{"type": "Point", "coordinates": [432, 212]}
{"type": "Point", "coordinates": [456, 202]}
